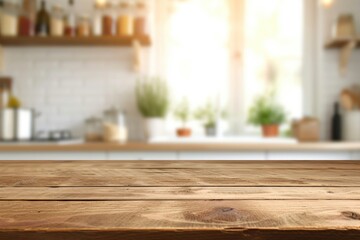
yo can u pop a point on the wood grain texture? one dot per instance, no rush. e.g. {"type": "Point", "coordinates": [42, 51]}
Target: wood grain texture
{"type": "Point", "coordinates": [239, 234]}
{"type": "Point", "coordinates": [163, 147]}
{"type": "Point", "coordinates": [163, 215]}
{"type": "Point", "coordinates": [179, 200]}
{"type": "Point", "coordinates": [177, 193]}
{"type": "Point", "coordinates": [181, 177]}
{"type": "Point", "coordinates": [41, 166]}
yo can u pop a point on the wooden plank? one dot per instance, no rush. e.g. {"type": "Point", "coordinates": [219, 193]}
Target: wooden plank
{"type": "Point", "coordinates": [41, 166]}
{"type": "Point", "coordinates": [182, 215]}
{"type": "Point", "coordinates": [339, 43]}
{"type": "Point", "coordinates": [177, 193]}
{"type": "Point", "coordinates": [72, 41]}
{"type": "Point", "coordinates": [182, 177]}
{"type": "Point", "coordinates": [240, 234]}
{"type": "Point", "coordinates": [143, 172]}
{"type": "Point", "coordinates": [336, 43]}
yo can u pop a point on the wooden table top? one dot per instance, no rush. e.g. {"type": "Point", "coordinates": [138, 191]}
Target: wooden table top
{"type": "Point", "coordinates": [209, 200]}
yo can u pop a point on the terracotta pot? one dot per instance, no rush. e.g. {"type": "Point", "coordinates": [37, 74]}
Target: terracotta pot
{"type": "Point", "coordinates": [270, 130]}
{"type": "Point", "coordinates": [183, 132]}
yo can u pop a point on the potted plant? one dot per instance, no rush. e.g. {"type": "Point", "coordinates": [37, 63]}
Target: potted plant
{"type": "Point", "coordinates": [208, 115]}
{"type": "Point", "coordinates": [183, 113]}
{"type": "Point", "coordinates": [267, 113]}
{"type": "Point", "coordinates": [153, 100]}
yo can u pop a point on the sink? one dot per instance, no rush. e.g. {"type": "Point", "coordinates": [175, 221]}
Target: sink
{"type": "Point", "coordinates": [222, 140]}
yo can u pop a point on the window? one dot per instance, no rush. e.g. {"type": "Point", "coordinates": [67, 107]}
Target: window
{"type": "Point", "coordinates": [203, 50]}
{"type": "Point", "coordinates": [273, 52]}
{"type": "Point", "coordinates": [198, 49]}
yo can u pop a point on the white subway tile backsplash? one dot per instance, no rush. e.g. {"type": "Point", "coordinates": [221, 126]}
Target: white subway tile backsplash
{"type": "Point", "coordinates": [68, 85]}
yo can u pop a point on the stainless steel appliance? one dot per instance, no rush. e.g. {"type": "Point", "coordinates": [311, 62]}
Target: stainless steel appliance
{"type": "Point", "coordinates": [17, 124]}
{"type": "Point", "coordinates": [53, 136]}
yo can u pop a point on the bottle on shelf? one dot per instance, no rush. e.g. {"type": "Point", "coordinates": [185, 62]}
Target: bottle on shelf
{"type": "Point", "coordinates": [108, 20]}
{"type": "Point", "coordinates": [27, 18]}
{"type": "Point", "coordinates": [42, 27]}
{"type": "Point", "coordinates": [336, 124]}
{"type": "Point", "coordinates": [97, 26]}
{"type": "Point", "coordinates": [57, 21]}
{"type": "Point", "coordinates": [125, 21]}
{"type": "Point", "coordinates": [140, 20]}
{"type": "Point", "coordinates": [70, 25]}
{"type": "Point", "coordinates": [5, 92]}
{"type": "Point", "coordinates": [9, 19]}
{"type": "Point", "coordinates": [2, 90]}
{"type": "Point", "coordinates": [25, 25]}
{"type": "Point", "coordinates": [1, 13]}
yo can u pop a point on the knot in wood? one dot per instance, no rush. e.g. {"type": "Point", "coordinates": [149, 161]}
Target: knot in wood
{"type": "Point", "coordinates": [351, 215]}
{"type": "Point", "coordinates": [219, 214]}
{"type": "Point", "coordinates": [227, 209]}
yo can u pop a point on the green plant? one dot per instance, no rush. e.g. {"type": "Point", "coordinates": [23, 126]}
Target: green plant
{"type": "Point", "coordinates": [265, 111]}
{"type": "Point", "coordinates": [182, 112]}
{"type": "Point", "coordinates": [208, 114]}
{"type": "Point", "coordinates": [152, 95]}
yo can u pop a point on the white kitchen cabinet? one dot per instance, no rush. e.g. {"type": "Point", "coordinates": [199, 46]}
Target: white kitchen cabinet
{"type": "Point", "coordinates": [52, 156]}
{"type": "Point", "coordinates": [356, 156]}
{"type": "Point", "coordinates": [183, 155]}
{"type": "Point", "coordinates": [326, 155]}
{"type": "Point", "coordinates": [142, 156]}
{"type": "Point", "coordinates": [222, 156]}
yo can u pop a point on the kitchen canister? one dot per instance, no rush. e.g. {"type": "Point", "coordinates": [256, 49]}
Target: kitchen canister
{"type": "Point", "coordinates": [115, 129]}
{"type": "Point", "coordinates": [9, 19]}
{"type": "Point", "coordinates": [17, 124]}
{"type": "Point", "coordinates": [57, 24]}
{"type": "Point", "coordinates": [351, 126]}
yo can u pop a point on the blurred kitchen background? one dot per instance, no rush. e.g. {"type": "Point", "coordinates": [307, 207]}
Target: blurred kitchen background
{"type": "Point", "coordinates": [180, 79]}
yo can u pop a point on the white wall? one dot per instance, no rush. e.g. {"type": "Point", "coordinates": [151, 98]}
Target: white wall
{"type": "Point", "coordinates": [329, 82]}
{"type": "Point", "coordinates": [68, 85]}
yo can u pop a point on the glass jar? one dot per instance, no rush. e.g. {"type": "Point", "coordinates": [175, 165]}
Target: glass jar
{"type": "Point", "coordinates": [93, 130]}
{"type": "Point", "coordinates": [57, 23]}
{"type": "Point", "coordinates": [9, 19]}
{"type": "Point", "coordinates": [140, 20]}
{"type": "Point", "coordinates": [70, 22]}
{"type": "Point", "coordinates": [115, 129]}
{"type": "Point", "coordinates": [125, 21]}
{"type": "Point", "coordinates": [97, 26]}
{"type": "Point", "coordinates": [84, 26]}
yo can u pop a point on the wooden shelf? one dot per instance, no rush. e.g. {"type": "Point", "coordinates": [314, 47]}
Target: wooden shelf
{"type": "Point", "coordinates": [73, 41]}
{"type": "Point", "coordinates": [339, 43]}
